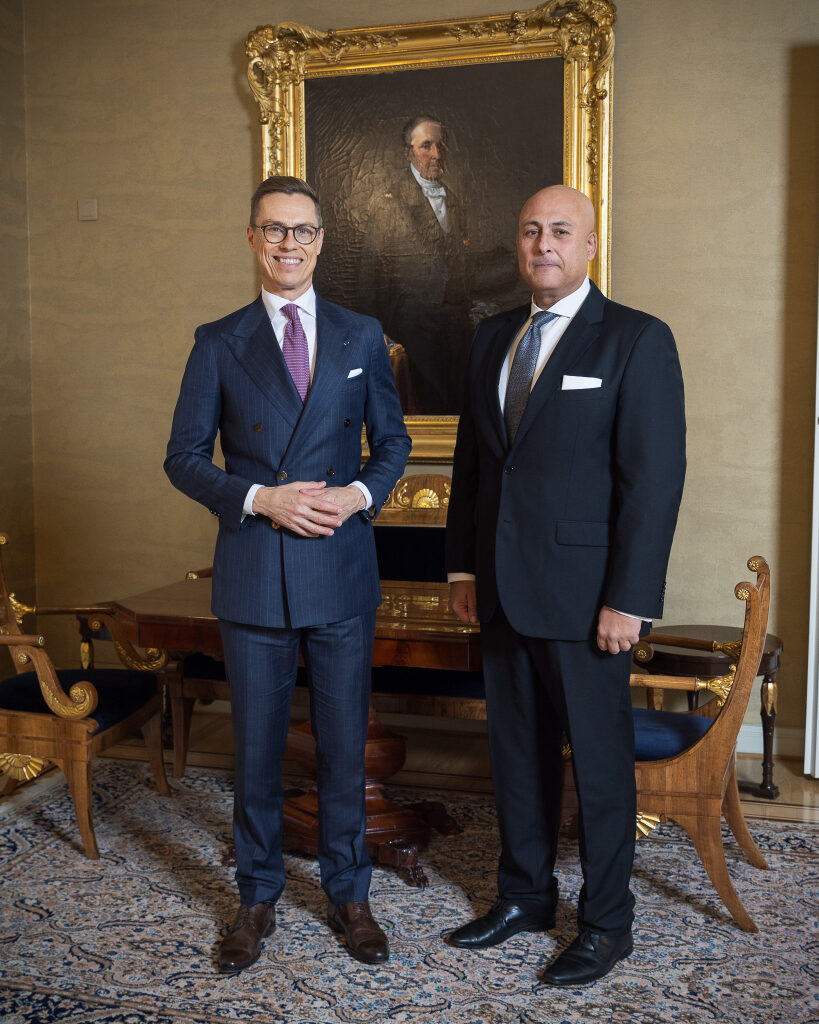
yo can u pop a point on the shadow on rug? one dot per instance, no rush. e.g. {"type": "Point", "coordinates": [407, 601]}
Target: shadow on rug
{"type": "Point", "coordinates": [131, 938]}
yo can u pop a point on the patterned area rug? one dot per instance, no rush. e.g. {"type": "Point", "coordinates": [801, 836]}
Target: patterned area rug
{"type": "Point", "coordinates": [131, 938]}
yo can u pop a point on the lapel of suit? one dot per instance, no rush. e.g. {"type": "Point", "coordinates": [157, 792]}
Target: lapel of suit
{"type": "Point", "coordinates": [499, 344]}
{"type": "Point", "coordinates": [582, 332]}
{"type": "Point", "coordinates": [257, 351]}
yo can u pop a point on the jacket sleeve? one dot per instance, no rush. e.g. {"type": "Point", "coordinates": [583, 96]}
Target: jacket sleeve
{"type": "Point", "coordinates": [649, 471]}
{"type": "Point", "coordinates": [387, 435]}
{"type": "Point", "coordinates": [189, 459]}
{"type": "Point", "coordinates": [462, 513]}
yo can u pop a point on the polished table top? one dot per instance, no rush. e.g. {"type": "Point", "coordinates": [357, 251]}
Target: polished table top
{"type": "Point", "coordinates": [413, 625]}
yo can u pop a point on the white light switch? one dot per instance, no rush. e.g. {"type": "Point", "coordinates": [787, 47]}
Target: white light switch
{"type": "Point", "coordinates": [87, 209]}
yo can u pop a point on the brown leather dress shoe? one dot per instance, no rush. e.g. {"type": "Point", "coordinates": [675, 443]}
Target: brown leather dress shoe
{"type": "Point", "coordinates": [365, 940]}
{"type": "Point", "coordinates": [242, 945]}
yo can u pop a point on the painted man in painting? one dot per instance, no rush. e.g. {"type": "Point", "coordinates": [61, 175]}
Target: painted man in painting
{"type": "Point", "coordinates": [412, 273]}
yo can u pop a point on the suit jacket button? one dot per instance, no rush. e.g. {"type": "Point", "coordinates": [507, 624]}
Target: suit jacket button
{"type": "Point", "coordinates": [509, 469]}
{"type": "Point", "coordinates": [331, 471]}
{"type": "Point", "coordinates": [282, 475]}
{"type": "Point", "coordinates": [347, 422]}
{"type": "Point", "coordinates": [257, 427]}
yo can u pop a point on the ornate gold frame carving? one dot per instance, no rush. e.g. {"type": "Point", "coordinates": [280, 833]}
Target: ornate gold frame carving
{"type": "Point", "coordinates": [580, 32]}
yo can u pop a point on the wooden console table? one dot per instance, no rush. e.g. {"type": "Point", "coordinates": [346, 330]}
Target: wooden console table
{"type": "Point", "coordinates": [414, 629]}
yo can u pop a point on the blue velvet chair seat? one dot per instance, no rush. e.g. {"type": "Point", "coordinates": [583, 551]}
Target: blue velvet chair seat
{"type": "Point", "coordinates": [120, 691]}
{"type": "Point", "coordinates": [661, 734]}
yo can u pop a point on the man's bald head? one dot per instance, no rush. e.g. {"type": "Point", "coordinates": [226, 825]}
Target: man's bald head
{"type": "Point", "coordinates": [556, 240]}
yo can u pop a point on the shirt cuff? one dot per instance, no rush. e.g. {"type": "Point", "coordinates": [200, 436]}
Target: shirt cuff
{"type": "Point", "coordinates": [247, 508]}
{"type": "Point", "coordinates": [459, 577]}
{"type": "Point", "coordinates": [628, 615]}
{"type": "Point", "coordinates": [368, 498]}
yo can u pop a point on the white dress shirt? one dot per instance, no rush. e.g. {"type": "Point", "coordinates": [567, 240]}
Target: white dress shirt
{"type": "Point", "coordinates": [436, 195]}
{"type": "Point", "coordinates": [278, 321]}
{"type": "Point", "coordinates": [550, 334]}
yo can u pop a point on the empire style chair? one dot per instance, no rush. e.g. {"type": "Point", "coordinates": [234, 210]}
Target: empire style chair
{"type": "Point", "coordinates": [686, 762]}
{"type": "Point", "coordinates": [70, 716]}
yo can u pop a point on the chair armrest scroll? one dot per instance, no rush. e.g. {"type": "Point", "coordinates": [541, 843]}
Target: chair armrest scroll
{"type": "Point", "coordinates": [154, 660]}
{"type": "Point", "coordinates": [81, 699]}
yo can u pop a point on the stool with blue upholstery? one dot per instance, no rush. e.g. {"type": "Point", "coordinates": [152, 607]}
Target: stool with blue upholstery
{"type": "Point", "coordinates": [68, 716]}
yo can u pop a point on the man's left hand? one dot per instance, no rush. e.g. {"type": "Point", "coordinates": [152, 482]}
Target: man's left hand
{"type": "Point", "coordinates": [349, 500]}
{"type": "Point", "coordinates": [616, 632]}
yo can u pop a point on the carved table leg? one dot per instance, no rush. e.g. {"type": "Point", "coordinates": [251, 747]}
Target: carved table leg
{"type": "Point", "coordinates": [766, 789]}
{"type": "Point", "coordinates": [394, 834]}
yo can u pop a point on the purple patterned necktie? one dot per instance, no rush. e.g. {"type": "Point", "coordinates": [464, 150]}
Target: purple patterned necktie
{"type": "Point", "coordinates": [294, 349]}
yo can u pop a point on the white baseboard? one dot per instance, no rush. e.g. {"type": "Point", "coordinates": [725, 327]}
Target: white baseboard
{"type": "Point", "coordinates": [787, 742]}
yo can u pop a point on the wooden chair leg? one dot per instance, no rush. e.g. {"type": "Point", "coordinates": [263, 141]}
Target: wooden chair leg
{"type": "Point", "coordinates": [181, 712]}
{"type": "Point", "coordinates": [152, 732]}
{"type": "Point", "coordinates": [78, 775]}
{"type": "Point", "coordinates": [707, 838]}
{"type": "Point", "coordinates": [732, 811]}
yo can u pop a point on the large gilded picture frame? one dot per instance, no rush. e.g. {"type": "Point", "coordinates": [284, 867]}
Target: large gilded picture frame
{"type": "Point", "coordinates": [518, 100]}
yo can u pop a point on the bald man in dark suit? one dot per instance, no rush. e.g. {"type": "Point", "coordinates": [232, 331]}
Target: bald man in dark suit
{"type": "Point", "coordinates": [568, 473]}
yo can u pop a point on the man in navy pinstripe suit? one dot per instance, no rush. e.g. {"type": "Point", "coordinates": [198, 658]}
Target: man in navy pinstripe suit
{"type": "Point", "coordinates": [288, 382]}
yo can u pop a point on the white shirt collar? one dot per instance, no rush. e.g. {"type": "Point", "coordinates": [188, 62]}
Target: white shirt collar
{"type": "Point", "coordinates": [306, 302]}
{"type": "Point", "coordinates": [429, 188]}
{"type": "Point", "coordinates": [569, 304]}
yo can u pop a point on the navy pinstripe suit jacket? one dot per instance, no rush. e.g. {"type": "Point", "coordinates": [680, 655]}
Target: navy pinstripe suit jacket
{"type": "Point", "coordinates": [237, 383]}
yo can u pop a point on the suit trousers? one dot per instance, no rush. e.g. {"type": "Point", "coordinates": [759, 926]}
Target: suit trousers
{"type": "Point", "coordinates": [261, 664]}
{"type": "Point", "coordinates": [537, 690]}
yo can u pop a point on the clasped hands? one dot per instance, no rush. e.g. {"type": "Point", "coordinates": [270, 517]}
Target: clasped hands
{"type": "Point", "coordinates": [308, 508]}
{"type": "Point", "coordinates": [615, 632]}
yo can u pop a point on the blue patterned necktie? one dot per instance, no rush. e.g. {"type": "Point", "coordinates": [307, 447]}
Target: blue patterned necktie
{"type": "Point", "coordinates": [294, 350]}
{"type": "Point", "coordinates": [521, 373]}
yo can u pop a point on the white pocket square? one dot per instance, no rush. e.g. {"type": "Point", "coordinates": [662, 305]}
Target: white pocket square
{"type": "Point", "coordinates": [578, 383]}
{"type": "Point", "coordinates": [354, 373]}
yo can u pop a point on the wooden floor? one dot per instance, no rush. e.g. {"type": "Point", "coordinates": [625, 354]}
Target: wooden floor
{"type": "Point", "coordinates": [457, 758]}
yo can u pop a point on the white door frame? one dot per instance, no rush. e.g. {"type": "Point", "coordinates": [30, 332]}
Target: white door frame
{"type": "Point", "coordinates": [812, 710]}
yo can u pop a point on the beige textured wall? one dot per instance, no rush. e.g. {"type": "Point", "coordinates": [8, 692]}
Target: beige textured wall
{"type": "Point", "coordinates": [145, 107]}
{"type": "Point", "coordinates": [16, 478]}
{"type": "Point", "coordinates": [716, 148]}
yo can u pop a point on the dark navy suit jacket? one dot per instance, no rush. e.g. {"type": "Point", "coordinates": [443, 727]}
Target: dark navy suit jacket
{"type": "Point", "coordinates": [237, 383]}
{"type": "Point", "coordinates": [580, 511]}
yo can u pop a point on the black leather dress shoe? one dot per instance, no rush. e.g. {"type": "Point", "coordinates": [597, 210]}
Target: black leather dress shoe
{"type": "Point", "coordinates": [588, 958]}
{"type": "Point", "coordinates": [364, 938]}
{"type": "Point", "coordinates": [242, 945]}
{"type": "Point", "coordinates": [503, 920]}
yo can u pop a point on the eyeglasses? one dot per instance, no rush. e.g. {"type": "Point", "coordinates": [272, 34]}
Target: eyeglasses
{"type": "Point", "coordinates": [304, 234]}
